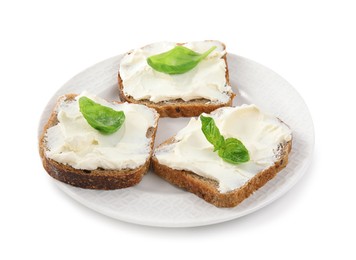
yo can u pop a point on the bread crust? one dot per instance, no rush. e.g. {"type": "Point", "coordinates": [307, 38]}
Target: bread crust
{"type": "Point", "coordinates": [100, 179]}
{"type": "Point", "coordinates": [179, 108]}
{"type": "Point", "coordinates": [207, 189]}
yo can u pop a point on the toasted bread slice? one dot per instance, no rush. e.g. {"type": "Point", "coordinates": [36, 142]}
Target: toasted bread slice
{"type": "Point", "coordinates": [99, 178]}
{"type": "Point", "coordinates": [207, 188]}
{"type": "Point", "coordinates": [178, 106]}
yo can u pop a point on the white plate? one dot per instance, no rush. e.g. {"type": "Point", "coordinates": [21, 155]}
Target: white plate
{"type": "Point", "coordinates": [154, 202]}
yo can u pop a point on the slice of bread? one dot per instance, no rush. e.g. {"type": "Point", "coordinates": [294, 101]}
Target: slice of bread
{"type": "Point", "coordinates": [208, 188]}
{"type": "Point", "coordinates": [99, 178]}
{"type": "Point", "coordinates": [178, 107]}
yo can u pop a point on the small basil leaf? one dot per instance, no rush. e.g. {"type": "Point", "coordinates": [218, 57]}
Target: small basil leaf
{"type": "Point", "coordinates": [211, 132]}
{"type": "Point", "coordinates": [178, 60]}
{"type": "Point", "coordinates": [230, 150]}
{"type": "Point", "coordinates": [104, 119]}
{"type": "Point", "coordinates": [233, 151]}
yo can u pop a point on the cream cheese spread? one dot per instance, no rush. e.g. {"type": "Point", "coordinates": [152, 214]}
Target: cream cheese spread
{"type": "Point", "coordinates": [207, 80]}
{"type": "Point", "coordinates": [259, 132]}
{"type": "Point", "coordinates": [74, 142]}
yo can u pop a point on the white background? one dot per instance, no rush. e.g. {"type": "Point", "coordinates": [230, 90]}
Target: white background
{"type": "Point", "coordinates": [310, 43]}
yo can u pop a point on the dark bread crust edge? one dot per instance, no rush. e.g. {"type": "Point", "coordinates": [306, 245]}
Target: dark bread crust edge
{"type": "Point", "coordinates": [207, 189]}
{"type": "Point", "coordinates": [99, 179]}
{"type": "Point", "coordinates": [180, 108]}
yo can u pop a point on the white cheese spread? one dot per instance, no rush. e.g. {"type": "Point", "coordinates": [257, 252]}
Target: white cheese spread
{"type": "Point", "coordinates": [260, 133]}
{"type": "Point", "coordinates": [74, 142]}
{"type": "Point", "coordinates": [206, 81]}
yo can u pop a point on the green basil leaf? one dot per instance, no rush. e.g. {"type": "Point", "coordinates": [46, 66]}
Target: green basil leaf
{"type": "Point", "coordinates": [104, 119]}
{"type": "Point", "coordinates": [178, 60]}
{"type": "Point", "coordinates": [230, 150]}
{"type": "Point", "coordinates": [211, 132]}
{"type": "Point", "coordinates": [233, 151]}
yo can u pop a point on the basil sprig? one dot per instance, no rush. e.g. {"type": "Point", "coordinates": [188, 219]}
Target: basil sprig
{"type": "Point", "coordinates": [104, 119]}
{"type": "Point", "coordinates": [231, 150]}
{"type": "Point", "coordinates": [178, 60]}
